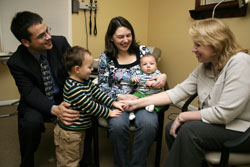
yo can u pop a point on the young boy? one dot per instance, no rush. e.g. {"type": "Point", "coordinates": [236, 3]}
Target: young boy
{"type": "Point", "coordinates": [148, 70]}
{"type": "Point", "coordinates": [83, 96]}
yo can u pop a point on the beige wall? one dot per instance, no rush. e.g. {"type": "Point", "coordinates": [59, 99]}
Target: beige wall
{"type": "Point", "coordinates": [169, 22]}
{"type": "Point", "coordinates": [135, 11]}
{"type": "Point", "coordinates": [8, 90]}
{"type": "Point", "coordinates": [161, 23]}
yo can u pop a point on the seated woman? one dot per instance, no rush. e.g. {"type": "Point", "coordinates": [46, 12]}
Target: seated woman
{"type": "Point", "coordinates": [223, 87]}
{"type": "Point", "coordinates": [119, 61]}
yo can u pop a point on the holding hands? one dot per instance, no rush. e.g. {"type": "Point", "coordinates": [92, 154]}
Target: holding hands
{"type": "Point", "coordinates": [117, 112]}
{"type": "Point", "coordinates": [119, 105]}
{"type": "Point", "coordinates": [130, 105]}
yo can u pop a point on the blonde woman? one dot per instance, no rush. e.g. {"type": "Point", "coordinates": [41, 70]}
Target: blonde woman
{"type": "Point", "coordinates": [223, 87]}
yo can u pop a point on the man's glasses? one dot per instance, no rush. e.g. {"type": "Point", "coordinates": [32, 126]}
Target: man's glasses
{"type": "Point", "coordinates": [44, 34]}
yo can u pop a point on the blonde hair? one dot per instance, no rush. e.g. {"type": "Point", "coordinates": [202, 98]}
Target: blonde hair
{"type": "Point", "coordinates": [215, 33]}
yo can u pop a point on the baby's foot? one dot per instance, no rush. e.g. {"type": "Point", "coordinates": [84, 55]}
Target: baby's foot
{"type": "Point", "coordinates": [131, 116]}
{"type": "Point", "coordinates": [150, 108]}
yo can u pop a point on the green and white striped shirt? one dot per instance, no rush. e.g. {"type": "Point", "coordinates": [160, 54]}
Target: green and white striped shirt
{"type": "Point", "coordinates": [88, 99]}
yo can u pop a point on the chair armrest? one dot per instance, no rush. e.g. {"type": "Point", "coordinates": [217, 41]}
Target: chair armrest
{"type": "Point", "coordinates": [242, 141]}
{"type": "Point", "coordinates": [166, 87]}
{"type": "Point", "coordinates": [185, 106]}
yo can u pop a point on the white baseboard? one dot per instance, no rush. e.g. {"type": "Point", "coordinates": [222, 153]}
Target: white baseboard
{"type": "Point", "coordinates": [8, 102]}
{"type": "Point", "coordinates": [190, 107]}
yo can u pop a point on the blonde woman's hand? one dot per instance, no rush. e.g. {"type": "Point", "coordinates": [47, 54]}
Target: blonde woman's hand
{"type": "Point", "coordinates": [176, 124]}
{"type": "Point", "coordinates": [130, 105]}
{"type": "Point", "coordinates": [126, 97]}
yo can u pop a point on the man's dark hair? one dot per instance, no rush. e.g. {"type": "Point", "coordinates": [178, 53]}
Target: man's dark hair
{"type": "Point", "coordinates": [21, 22]}
{"type": "Point", "coordinates": [115, 23]}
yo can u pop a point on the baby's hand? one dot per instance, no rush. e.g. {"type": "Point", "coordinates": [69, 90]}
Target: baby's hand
{"type": "Point", "coordinates": [115, 113]}
{"type": "Point", "coordinates": [119, 105]}
{"type": "Point", "coordinates": [135, 79]}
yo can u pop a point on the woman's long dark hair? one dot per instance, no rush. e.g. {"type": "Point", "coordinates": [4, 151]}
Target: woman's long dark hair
{"type": "Point", "coordinates": [110, 48]}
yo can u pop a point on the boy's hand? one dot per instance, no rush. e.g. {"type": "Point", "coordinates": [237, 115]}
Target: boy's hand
{"type": "Point", "coordinates": [119, 105]}
{"type": "Point", "coordinates": [115, 113]}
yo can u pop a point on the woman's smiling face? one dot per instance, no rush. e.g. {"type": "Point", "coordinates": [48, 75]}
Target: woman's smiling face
{"type": "Point", "coordinates": [122, 38]}
{"type": "Point", "coordinates": [205, 53]}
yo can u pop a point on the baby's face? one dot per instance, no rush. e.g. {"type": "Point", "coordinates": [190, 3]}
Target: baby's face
{"type": "Point", "coordinates": [148, 64]}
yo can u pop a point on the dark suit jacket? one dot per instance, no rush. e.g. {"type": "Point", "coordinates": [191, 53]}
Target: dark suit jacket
{"type": "Point", "coordinates": [27, 74]}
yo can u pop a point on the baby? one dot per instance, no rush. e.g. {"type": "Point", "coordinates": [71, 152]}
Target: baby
{"type": "Point", "coordinates": [148, 70]}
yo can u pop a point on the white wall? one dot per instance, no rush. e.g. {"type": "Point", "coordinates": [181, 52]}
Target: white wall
{"type": "Point", "coordinates": [56, 14]}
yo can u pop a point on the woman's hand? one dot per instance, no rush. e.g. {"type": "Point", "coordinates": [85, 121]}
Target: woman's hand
{"type": "Point", "coordinates": [130, 105]}
{"type": "Point", "coordinates": [160, 81]}
{"type": "Point", "coordinates": [66, 115]}
{"type": "Point", "coordinates": [184, 117]}
{"type": "Point", "coordinates": [126, 97]}
{"type": "Point", "coordinates": [177, 123]}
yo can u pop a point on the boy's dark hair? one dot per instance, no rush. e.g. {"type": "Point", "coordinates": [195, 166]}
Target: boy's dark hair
{"type": "Point", "coordinates": [115, 23]}
{"type": "Point", "coordinates": [21, 22]}
{"type": "Point", "coordinates": [74, 57]}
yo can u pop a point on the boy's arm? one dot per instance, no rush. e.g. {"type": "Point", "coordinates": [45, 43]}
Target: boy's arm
{"type": "Point", "coordinates": [78, 99]}
{"type": "Point", "coordinates": [101, 96]}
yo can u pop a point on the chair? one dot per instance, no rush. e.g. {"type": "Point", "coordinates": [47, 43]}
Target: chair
{"type": "Point", "coordinates": [9, 114]}
{"type": "Point", "coordinates": [227, 156]}
{"type": "Point", "coordinates": [104, 124]}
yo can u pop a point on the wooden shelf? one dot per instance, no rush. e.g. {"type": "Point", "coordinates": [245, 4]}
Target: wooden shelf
{"type": "Point", "coordinates": [224, 10]}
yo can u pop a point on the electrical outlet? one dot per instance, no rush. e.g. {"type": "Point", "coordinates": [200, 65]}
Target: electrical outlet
{"type": "Point", "coordinates": [87, 6]}
{"type": "Point", "coordinates": [84, 5]}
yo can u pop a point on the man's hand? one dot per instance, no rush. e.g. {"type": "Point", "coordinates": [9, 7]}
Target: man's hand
{"type": "Point", "coordinates": [66, 115]}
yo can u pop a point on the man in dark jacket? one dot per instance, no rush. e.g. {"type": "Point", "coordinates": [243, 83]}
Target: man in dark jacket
{"type": "Point", "coordinates": [35, 107]}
